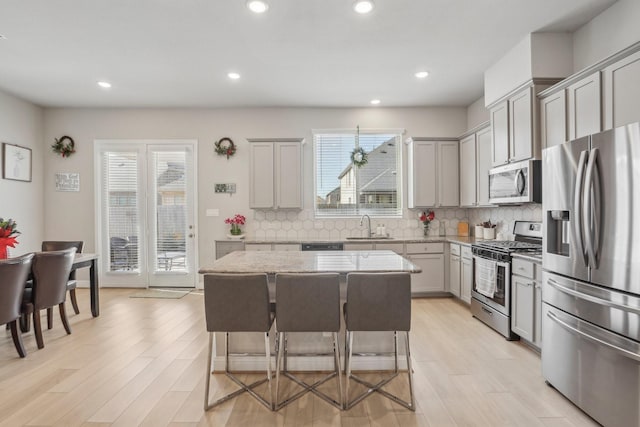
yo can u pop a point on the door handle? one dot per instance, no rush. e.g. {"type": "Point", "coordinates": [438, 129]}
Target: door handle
{"type": "Point", "coordinates": [519, 178]}
{"type": "Point", "coordinates": [576, 331]}
{"type": "Point", "coordinates": [591, 207]}
{"type": "Point", "coordinates": [577, 208]}
{"type": "Point", "coordinates": [600, 301]}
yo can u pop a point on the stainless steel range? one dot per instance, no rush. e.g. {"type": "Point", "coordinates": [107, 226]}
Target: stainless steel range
{"type": "Point", "coordinates": [491, 293]}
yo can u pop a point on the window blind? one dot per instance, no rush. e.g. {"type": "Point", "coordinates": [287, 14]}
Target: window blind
{"type": "Point", "coordinates": [120, 191]}
{"type": "Point", "coordinates": [344, 189]}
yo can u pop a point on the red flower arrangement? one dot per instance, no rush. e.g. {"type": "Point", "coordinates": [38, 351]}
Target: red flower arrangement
{"type": "Point", "coordinates": [426, 218]}
{"type": "Point", "coordinates": [236, 221]}
{"type": "Point", "coordinates": [8, 234]}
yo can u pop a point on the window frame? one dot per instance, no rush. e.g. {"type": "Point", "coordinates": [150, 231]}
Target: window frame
{"type": "Point", "coordinates": [400, 196]}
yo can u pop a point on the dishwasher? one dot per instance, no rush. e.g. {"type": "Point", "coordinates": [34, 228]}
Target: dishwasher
{"type": "Point", "coordinates": [322, 246]}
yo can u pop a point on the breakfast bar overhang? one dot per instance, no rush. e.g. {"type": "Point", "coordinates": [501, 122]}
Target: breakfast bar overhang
{"type": "Point", "coordinates": [341, 262]}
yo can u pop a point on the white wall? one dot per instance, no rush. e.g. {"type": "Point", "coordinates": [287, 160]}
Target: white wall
{"type": "Point", "coordinates": [21, 124]}
{"type": "Point", "coordinates": [477, 113]}
{"type": "Point", "coordinates": [538, 55]}
{"type": "Point", "coordinates": [207, 126]}
{"type": "Point", "coordinates": [613, 30]}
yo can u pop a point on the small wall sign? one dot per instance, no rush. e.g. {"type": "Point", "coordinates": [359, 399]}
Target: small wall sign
{"type": "Point", "coordinates": [67, 181]}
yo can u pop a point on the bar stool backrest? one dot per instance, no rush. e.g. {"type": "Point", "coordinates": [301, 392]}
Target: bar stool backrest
{"type": "Point", "coordinates": [378, 302]}
{"type": "Point", "coordinates": [50, 275]}
{"type": "Point", "coordinates": [308, 302]}
{"type": "Point", "coordinates": [237, 303]}
{"type": "Point", "coordinates": [13, 277]}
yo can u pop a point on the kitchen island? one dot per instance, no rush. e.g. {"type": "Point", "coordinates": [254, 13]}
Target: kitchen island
{"type": "Point", "coordinates": [342, 262]}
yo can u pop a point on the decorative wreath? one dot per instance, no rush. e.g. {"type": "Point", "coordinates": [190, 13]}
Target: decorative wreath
{"type": "Point", "coordinates": [65, 150]}
{"type": "Point", "coordinates": [225, 147]}
{"type": "Point", "coordinates": [359, 157]}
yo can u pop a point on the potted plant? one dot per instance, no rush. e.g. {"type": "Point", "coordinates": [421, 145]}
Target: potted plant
{"type": "Point", "coordinates": [8, 234]}
{"type": "Point", "coordinates": [426, 218]}
{"type": "Point", "coordinates": [236, 221]}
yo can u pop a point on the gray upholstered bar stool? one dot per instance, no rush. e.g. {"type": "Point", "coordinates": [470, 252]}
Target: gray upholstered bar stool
{"type": "Point", "coordinates": [307, 303]}
{"type": "Point", "coordinates": [378, 302]}
{"type": "Point", "coordinates": [237, 303]}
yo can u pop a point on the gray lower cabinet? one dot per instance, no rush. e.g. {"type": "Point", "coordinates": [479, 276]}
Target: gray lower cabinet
{"type": "Point", "coordinates": [526, 301]}
{"type": "Point", "coordinates": [430, 258]}
{"type": "Point", "coordinates": [466, 275]}
{"type": "Point", "coordinates": [454, 269]}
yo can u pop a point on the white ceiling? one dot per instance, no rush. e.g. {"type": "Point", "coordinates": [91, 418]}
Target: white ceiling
{"type": "Point", "coordinates": [316, 53]}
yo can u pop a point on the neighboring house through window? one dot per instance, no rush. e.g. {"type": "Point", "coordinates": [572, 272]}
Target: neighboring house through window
{"type": "Point", "coordinates": [345, 189]}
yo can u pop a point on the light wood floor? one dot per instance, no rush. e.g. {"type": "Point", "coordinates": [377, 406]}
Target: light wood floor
{"type": "Point", "coordinates": [142, 363]}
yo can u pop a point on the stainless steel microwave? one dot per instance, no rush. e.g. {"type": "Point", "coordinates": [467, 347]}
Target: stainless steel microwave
{"type": "Point", "coordinates": [516, 183]}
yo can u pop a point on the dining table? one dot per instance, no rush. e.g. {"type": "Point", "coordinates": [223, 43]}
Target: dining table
{"type": "Point", "coordinates": [84, 260]}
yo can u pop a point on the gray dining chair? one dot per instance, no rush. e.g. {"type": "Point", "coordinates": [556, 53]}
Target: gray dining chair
{"type": "Point", "coordinates": [378, 302]}
{"type": "Point", "coordinates": [307, 303]}
{"type": "Point", "coordinates": [13, 277]}
{"type": "Point", "coordinates": [50, 275]}
{"type": "Point", "coordinates": [237, 303]}
{"type": "Point", "coordinates": [58, 245]}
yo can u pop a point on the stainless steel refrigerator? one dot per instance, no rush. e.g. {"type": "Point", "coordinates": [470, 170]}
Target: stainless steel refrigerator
{"type": "Point", "coordinates": [591, 278]}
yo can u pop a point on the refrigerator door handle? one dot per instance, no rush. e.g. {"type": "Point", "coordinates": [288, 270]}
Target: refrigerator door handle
{"type": "Point", "coordinates": [591, 209]}
{"type": "Point", "coordinates": [576, 331]}
{"type": "Point", "coordinates": [600, 301]}
{"type": "Point", "coordinates": [577, 208]}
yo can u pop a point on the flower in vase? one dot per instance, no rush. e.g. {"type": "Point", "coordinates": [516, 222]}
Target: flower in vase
{"type": "Point", "coordinates": [236, 221]}
{"type": "Point", "coordinates": [426, 218]}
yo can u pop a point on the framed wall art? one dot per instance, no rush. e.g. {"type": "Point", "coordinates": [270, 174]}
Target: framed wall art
{"type": "Point", "coordinates": [16, 162]}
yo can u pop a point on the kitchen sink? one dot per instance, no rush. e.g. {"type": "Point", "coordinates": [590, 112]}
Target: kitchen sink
{"type": "Point", "coordinates": [370, 238]}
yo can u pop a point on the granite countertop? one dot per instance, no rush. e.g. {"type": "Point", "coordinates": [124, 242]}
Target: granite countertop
{"type": "Point", "coordinates": [463, 240]}
{"type": "Point", "coordinates": [343, 262]}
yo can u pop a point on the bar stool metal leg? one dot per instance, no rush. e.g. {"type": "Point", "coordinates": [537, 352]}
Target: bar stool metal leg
{"type": "Point", "coordinates": [243, 386]}
{"type": "Point", "coordinates": [378, 386]}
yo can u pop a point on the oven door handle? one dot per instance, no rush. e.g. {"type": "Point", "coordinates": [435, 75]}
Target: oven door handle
{"type": "Point", "coordinates": [591, 298]}
{"type": "Point", "coordinates": [565, 325]}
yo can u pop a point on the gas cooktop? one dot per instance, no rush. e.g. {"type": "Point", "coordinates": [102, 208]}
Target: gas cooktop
{"type": "Point", "coordinates": [510, 246]}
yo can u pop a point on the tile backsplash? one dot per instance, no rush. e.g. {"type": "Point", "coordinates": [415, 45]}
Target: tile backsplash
{"type": "Point", "coordinates": [300, 225]}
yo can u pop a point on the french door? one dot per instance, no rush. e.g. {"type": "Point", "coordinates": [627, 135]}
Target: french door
{"type": "Point", "coordinates": [146, 212]}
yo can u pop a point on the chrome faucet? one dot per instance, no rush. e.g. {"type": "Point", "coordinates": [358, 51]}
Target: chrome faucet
{"type": "Point", "coordinates": [368, 224]}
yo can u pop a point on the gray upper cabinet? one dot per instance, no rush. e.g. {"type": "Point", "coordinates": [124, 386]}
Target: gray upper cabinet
{"type": "Point", "coordinates": [433, 174]}
{"type": "Point", "coordinates": [621, 82]}
{"type": "Point", "coordinates": [475, 162]}
{"type": "Point", "coordinates": [583, 106]}
{"type": "Point", "coordinates": [468, 170]}
{"type": "Point", "coordinates": [483, 164]}
{"type": "Point", "coordinates": [275, 174]}
{"type": "Point", "coordinates": [500, 134]}
{"type": "Point", "coordinates": [514, 122]}
{"type": "Point", "coordinates": [553, 119]}
{"type": "Point", "coordinates": [521, 126]}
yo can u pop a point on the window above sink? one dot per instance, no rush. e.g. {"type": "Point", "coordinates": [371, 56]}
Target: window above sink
{"type": "Point", "coordinates": [372, 184]}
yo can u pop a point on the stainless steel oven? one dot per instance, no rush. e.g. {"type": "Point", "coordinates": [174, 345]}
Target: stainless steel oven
{"type": "Point", "coordinates": [491, 292]}
{"type": "Point", "coordinates": [492, 308]}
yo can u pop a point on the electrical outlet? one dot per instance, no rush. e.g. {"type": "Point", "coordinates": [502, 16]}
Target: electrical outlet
{"type": "Point", "coordinates": [213, 212]}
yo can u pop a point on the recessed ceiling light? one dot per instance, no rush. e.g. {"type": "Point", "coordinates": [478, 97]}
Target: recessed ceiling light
{"type": "Point", "coordinates": [104, 85]}
{"type": "Point", "coordinates": [363, 6]}
{"type": "Point", "coordinates": [422, 74]}
{"type": "Point", "coordinates": [233, 76]}
{"type": "Point", "coordinates": [257, 6]}
{"type": "Point", "coordinates": [375, 101]}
